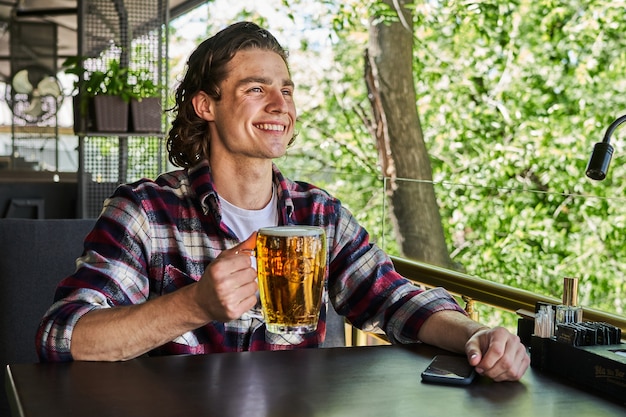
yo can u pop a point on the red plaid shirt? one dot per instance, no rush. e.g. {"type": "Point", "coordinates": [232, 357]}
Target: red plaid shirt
{"type": "Point", "coordinates": [154, 237]}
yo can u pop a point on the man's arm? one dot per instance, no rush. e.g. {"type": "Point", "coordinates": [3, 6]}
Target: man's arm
{"type": "Point", "coordinates": [495, 352]}
{"type": "Point", "coordinates": [120, 333]}
{"type": "Point", "coordinates": [226, 290]}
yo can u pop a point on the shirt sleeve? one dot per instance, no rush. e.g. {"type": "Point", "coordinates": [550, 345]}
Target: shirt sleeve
{"type": "Point", "coordinates": [364, 287]}
{"type": "Point", "coordinates": [112, 271]}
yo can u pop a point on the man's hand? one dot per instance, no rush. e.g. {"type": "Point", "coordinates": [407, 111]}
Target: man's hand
{"type": "Point", "coordinates": [228, 285]}
{"type": "Point", "coordinates": [498, 354]}
{"type": "Point", "coordinates": [495, 353]}
{"type": "Point", "coordinates": [226, 290]}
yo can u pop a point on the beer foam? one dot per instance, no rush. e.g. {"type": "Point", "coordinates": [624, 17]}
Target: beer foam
{"type": "Point", "coordinates": [291, 231]}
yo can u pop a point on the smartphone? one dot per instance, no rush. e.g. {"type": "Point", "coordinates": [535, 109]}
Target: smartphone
{"type": "Point", "coordinates": [449, 369]}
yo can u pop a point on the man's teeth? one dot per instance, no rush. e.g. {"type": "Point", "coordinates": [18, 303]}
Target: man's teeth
{"type": "Point", "coordinates": [267, 126]}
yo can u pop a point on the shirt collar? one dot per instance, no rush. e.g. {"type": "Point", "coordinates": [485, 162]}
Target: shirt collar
{"type": "Point", "coordinates": [201, 183]}
{"type": "Point", "coordinates": [285, 203]}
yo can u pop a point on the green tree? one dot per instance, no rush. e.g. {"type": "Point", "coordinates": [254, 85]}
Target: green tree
{"type": "Point", "coordinates": [402, 152]}
{"type": "Point", "coordinates": [511, 96]}
{"type": "Point", "coordinates": [514, 95]}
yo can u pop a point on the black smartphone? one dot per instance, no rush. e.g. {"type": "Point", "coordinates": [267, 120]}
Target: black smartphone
{"type": "Point", "coordinates": [449, 369]}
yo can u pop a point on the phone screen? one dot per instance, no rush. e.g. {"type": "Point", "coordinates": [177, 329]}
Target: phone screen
{"type": "Point", "coordinates": [449, 369]}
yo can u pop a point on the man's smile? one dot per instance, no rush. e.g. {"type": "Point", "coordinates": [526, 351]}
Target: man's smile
{"type": "Point", "coordinates": [270, 126]}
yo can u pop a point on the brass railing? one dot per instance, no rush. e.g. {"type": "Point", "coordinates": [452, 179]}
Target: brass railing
{"type": "Point", "coordinates": [491, 293]}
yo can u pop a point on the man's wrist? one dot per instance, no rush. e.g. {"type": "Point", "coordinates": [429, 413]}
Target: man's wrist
{"type": "Point", "coordinates": [477, 329]}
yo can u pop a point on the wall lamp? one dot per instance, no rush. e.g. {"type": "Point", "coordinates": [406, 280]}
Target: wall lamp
{"type": "Point", "coordinates": [598, 164]}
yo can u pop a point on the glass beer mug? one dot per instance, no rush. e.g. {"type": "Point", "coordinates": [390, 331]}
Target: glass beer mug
{"type": "Point", "coordinates": [291, 265]}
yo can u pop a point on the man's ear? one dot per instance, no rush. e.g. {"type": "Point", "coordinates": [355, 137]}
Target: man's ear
{"type": "Point", "coordinates": [203, 105]}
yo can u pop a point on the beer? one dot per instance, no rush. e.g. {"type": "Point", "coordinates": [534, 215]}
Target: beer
{"type": "Point", "coordinates": [291, 264]}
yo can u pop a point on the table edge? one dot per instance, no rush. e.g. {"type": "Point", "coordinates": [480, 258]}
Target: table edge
{"type": "Point", "coordinates": [15, 405]}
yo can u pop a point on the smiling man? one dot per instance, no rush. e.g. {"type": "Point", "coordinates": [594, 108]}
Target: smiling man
{"type": "Point", "coordinates": [165, 270]}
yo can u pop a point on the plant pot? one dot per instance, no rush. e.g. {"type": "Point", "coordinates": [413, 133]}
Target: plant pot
{"type": "Point", "coordinates": [146, 115]}
{"type": "Point", "coordinates": [110, 113]}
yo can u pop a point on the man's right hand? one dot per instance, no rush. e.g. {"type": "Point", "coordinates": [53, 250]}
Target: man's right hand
{"type": "Point", "coordinates": [228, 285]}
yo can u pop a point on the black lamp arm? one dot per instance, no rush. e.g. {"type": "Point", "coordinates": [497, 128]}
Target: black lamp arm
{"type": "Point", "coordinates": [612, 127]}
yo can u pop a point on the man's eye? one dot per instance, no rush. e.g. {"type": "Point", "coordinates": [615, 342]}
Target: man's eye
{"type": "Point", "coordinates": [287, 92]}
{"type": "Point", "coordinates": [256, 90]}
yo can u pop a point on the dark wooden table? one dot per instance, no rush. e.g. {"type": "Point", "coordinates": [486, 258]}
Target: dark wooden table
{"type": "Point", "coordinates": [381, 381]}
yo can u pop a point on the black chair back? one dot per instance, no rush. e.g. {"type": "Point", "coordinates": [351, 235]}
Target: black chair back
{"type": "Point", "coordinates": [34, 256]}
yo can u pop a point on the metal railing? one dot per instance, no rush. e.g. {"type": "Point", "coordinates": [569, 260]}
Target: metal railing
{"type": "Point", "coordinates": [492, 293]}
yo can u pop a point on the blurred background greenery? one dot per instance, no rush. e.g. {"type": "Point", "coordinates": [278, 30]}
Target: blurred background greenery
{"type": "Point", "coordinates": [511, 96]}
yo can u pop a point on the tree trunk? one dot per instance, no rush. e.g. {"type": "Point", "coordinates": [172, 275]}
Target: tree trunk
{"type": "Point", "coordinates": [403, 156]}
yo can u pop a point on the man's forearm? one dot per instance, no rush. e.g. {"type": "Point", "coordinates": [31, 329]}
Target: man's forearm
{"type": "Point", "coordinates": [449, 330]}
{"type": "Point", "coordinates": [122, 333]}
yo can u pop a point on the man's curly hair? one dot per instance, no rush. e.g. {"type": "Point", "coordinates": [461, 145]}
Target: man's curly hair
{"type": "Point", "coordinates": [188, 139]}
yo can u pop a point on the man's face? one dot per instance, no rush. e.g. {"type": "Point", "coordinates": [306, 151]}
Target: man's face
{"type": "Point", "coordinates": [256, 114]}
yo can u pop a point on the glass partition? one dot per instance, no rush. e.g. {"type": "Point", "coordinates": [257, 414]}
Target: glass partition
{"type": "Point", "coordinates": [526, 238]}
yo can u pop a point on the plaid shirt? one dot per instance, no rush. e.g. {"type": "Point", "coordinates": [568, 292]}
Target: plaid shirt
{"type": "Point", "coordinates": [154, 237]}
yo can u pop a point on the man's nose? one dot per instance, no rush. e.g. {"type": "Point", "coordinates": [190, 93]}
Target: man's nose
{"type": "Point", "coordinates": [277, 102]}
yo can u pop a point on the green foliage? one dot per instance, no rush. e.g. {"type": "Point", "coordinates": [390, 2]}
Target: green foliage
{"type": "Point", "coordinates": [143, 85]}
{"type": "Point", "coordinates": [512, 96]}
{"type": "Point", "coordinates": [114, 80]}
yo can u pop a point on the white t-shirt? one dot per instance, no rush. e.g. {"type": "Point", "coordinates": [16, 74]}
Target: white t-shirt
{"type": "Point", "coordinates": [244, 222]}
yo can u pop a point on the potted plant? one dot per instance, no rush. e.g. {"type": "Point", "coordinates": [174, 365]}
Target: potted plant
{"type": "Point", "coordinates": [145, 103]}
{"type": "Point", "coordinates": [102, 102]}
